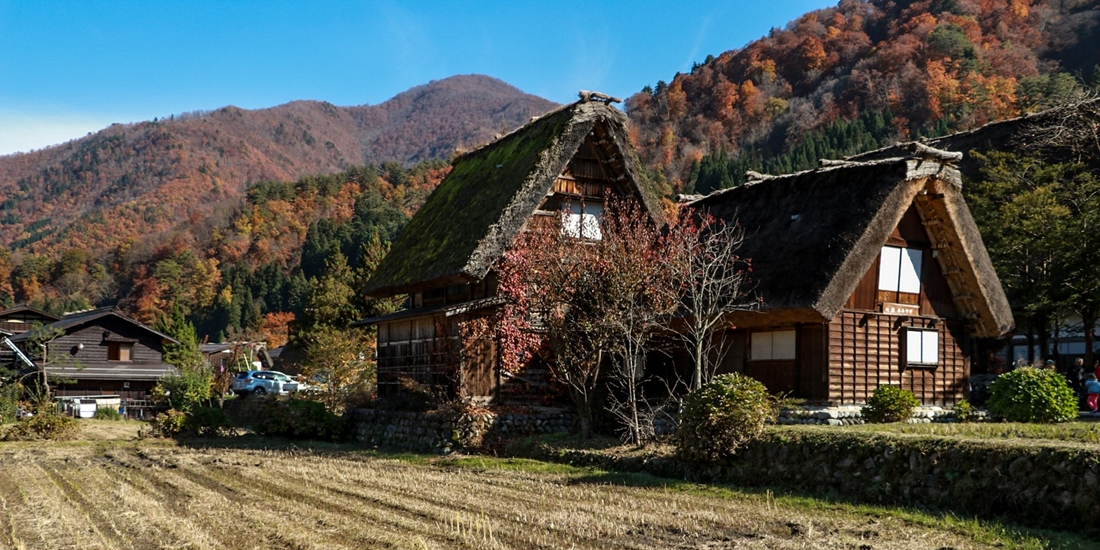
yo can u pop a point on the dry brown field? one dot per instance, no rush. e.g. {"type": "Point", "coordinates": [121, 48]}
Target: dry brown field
{"type": "Point", "coordinates": [103, 493]}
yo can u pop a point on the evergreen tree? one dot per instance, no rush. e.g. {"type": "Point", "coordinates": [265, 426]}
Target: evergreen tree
{"type": "Point", "coordinates": [185, 354]}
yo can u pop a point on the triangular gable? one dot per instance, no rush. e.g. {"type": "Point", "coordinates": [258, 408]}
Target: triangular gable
{"type": "Point", "coordinates": [73, 321]}
{"type": "Point", "coordinates": [490, 193]}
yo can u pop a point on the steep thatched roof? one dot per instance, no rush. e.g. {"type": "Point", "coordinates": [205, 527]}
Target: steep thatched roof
{"type": "Point", "coordinates": [1028, 133]}
{"type": "Point", "coordinates": [812, 235]}
{"type": "Point", "coordinates": [491, 192]}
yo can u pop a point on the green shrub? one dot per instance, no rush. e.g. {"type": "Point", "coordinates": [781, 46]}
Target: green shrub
{"type": "Point", "coordinates": [208, 422]}
{"type": "Point", "coordinates": [723, 416]}
{"type": "Point", "coordinates": [890, 404]}
{"type": "Point", "coordinates": [965, 412]}
{"type": "Point", "coordinates": [107, 413]}
{"type": "Point", "coordinates": [299, 419]}
{"type": "Point", "coordinates": [1028, 394]}
{"type": "Point", "coordinates": [9, 403]}
{"type": "Point", "coordinates": [185, 391]}
{"type": "Point", "coordinates": [45, 424]}
{"type": "Point", "coordinates": [200, 422]}
{"type": "Point", "coordinates": [169, 423]}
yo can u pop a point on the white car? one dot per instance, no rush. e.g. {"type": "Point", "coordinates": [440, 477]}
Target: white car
{"type": "Point", "coordinates": [262, 382]}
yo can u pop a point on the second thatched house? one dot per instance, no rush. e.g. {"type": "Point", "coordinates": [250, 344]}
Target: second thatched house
{"type": "Point", "coordinates": [559, 166]}
{"type": "Point", "coordinates": [870, 273]}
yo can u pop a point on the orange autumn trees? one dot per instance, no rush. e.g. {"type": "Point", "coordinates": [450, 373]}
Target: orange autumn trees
{"type": "Point", "coordinates": [933, 66]}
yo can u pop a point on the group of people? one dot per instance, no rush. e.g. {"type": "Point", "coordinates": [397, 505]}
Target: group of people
{"type": "Point", "coordinates": [1087, 384]}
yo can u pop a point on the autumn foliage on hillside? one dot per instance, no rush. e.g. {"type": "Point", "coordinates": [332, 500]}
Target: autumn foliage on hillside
{"type": "Point", "coordinates": [250, 271]}
{"type": "Point", "coordinates": [841, 80]}
{"type": "Point", "coordinates": [148, 180]}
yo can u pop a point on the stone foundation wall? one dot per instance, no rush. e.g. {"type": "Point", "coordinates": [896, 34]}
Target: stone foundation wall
{"type": "Point", "coordinates": [851, 414]}
{"type": "Point", "coordinates": [1057, 486]}
{"type": "Point", "coordinates": [1042, 486]}
{"type": "Point", "coordinates": [449, 430]}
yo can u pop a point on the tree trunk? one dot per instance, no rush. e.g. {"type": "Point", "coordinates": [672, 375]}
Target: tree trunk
{"type": "Point", "coordinates": [1089, 321]}
{"type": "Point", "coordinates": [700, 350]}
{"type": "Point", "coordinates": [584, 412]}
{"type": "Point", "coordinates": [1044, 336]}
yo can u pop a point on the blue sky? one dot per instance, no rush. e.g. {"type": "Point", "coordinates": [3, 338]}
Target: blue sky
{"type": "Point", "coordinates": [72, 67]}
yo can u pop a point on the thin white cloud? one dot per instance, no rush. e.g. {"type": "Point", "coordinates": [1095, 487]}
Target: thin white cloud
{"type": "Point", "coordinates": [22, 132]}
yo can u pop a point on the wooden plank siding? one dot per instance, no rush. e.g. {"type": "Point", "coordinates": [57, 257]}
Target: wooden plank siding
{"type": "Point", "coordinates": [146, 345]}
{"type": "Point", "coordinates": [419, 350]}
{"type": "Point", "coordinates": [813, 368]}
{"type": "Point", "coordinates": [865, 351]}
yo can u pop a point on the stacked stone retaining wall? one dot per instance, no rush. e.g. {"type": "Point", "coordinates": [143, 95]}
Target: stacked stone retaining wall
{"type": "Point", "coordinates": [846, 415]}
{"type": "Point", "coordinates": [451, 430]}
{"type": "Point", "coordinates": [1043, 486]}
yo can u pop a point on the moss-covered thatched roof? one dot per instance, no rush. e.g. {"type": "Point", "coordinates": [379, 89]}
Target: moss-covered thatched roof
{"type": "Point", "coordinates": [811, 236]}
{"type": "Point", "coordinates": [490, 193]}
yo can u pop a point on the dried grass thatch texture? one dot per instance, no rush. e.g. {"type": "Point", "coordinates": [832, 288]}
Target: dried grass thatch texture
{"type": "Point", "coordinates": [811, 236]}
{"type": "Point", "coordinates": [491, 192]}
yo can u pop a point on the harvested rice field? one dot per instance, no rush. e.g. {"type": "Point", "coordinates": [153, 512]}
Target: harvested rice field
{"type": "Point", "coordinates": [156, 494]}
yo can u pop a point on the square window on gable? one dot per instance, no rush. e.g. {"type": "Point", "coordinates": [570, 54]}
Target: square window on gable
{"type": "Point", "coordinates": [922, 347]}
{"type": "Point", "coordinates": [582, 221]}
{"type": "Point", "coordinates": [120, 351]}
{"type": "Point", "coordinates": [899, 269]}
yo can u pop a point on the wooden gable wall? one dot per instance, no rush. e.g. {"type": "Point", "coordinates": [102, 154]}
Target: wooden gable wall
{"type": "Point", "coordinates": [935, 296]}
{"type": "Point", "coordinates": [865, 345]}
{"type": "Point", "coordinates": [147, 346]}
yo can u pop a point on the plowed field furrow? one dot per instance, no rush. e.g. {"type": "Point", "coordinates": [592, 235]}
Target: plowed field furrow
{"type": "Point", "coordinates": [11, 500]}
{"type": "Point", "coordinates": [502, 512]}
{"type": "Point", "coordinates": [318, 518]}
{"type": "Point", "coordinates": [396, 490]}
{"type": "Point", "coordinates": [490, 506]}
{"type": "Point", "coordinates": [141, 495]}
{"type": "Point", "coordinates": [56, 521]}
{"type": "Point", "coordinates": [186, 515]}
{"type": "Point", "coordinates": [98, 522]}
{"type": "Point", "coordinates": [379, 505]}
{"type": "Point", "coordinates": [322, 508]}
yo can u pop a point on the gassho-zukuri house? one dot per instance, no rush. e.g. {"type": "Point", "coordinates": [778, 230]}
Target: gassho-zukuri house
{"type": "Point", "coordinates": [870, 273]}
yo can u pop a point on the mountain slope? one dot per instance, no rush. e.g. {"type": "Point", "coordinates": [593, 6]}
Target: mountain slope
{"type": "Point", "coordinates": [141, 180]}
{"type": "Point", "coordinates": [840, 80]}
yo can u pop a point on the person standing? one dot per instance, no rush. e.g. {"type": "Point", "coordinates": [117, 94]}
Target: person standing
{"type": "Point", "coordinates": [1092, 387]}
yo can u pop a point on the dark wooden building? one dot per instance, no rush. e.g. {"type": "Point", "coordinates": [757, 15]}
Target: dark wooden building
{"type": "Point", "coordinates": [557, 167]}
{"type": "Point", "coordinates": [21, 318]}
{"type": "Point", "coordinates": [100, 352]}
{"type": "Point", "coordinates": [871, 273]}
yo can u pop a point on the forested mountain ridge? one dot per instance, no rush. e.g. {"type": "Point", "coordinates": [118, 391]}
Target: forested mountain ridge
{"type": "Point", "coordinates": [146, 179]}
{"type": "Point", "coordinates": [842, 80]}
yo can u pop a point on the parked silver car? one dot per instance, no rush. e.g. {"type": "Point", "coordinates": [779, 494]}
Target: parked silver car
{"type": "Point", "coordinates": [262, 382]}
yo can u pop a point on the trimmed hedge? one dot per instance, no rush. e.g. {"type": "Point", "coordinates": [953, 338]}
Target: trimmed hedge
{"type": "Point", "coordinates": [1028, 394]}
{"type": "Point", "coordinates": [890, 404]}
{"type": "Point", "coordinates": [723, 416]}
